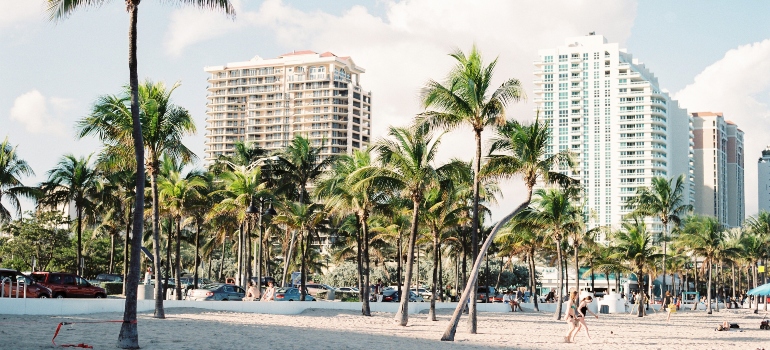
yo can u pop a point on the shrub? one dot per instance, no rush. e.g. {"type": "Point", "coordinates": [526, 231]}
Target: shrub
{"type": "Point", "coordinates": [112, 288]}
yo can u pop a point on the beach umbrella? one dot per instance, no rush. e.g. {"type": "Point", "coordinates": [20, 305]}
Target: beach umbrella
{"type": "Point", "coordinates": [761, 290]}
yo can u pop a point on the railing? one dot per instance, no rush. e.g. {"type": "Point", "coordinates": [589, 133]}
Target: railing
{"type": "Point", "coordinates": [10, 286]}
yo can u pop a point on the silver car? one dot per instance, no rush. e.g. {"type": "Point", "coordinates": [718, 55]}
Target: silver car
{"type": "Point", "coordinates": [217, 291]}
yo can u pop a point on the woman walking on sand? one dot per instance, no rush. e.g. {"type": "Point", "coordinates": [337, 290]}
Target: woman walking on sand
{"type": "Point", "coordinates": [668, 303]}
{"type": "Point", "coordinates": [581, 316]}
{"type": "Point", "coordinates": [572, 317]}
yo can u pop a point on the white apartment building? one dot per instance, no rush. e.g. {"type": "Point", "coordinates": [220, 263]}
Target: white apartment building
{"type": "Point", "coordinates": [763, 179]}
{"type": "Point", "coordinates": [269, 101]}
{"type": "Point", "coordinates": [719, 187]}
{"type": "Point", "coordinates": [608, 109]}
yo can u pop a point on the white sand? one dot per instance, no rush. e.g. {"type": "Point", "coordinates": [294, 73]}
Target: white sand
{"type": "Point", "coordinates": [329, 329]}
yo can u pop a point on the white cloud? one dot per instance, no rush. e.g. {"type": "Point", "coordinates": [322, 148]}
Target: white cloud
{"type": "Point", "coordinates": [15, 12]}
{"type": "Point", "coordinates": [738, 85]}
{"type": "Point", "coordinates": [411, 42]}
{"type": "Point", "coordinates": [32, 110]}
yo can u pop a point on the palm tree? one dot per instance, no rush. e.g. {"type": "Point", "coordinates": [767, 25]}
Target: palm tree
{"type": "Point", "coordinates": [664, 199]}
{"type": "Point", "coordinates": [73, 180]}
{"type": "Point", "coordinates": [179, 194]}
{"type": "Point", "coordinates": [634, 244]}
{"type": "Point", "coordinates": [520, 238]}
{"type": "Point", "coordinates": [58, 10]}
{"type": "Point", "coordinates": [163, 126]}
{"type": "Point", "coordinates": [465, 100]}
{"type": "Point", "coordinates": [345, 192]}
{"type": "Point", "coordinates": [406, 158]}
{"type": "Point", "coordinates": [705, 237]}
{"type": "Point", "coordinates": [296, 166]}
{"type": "Point", "coordinates": [12, 168]}
{"type": "Point", "coordinates": [303, 219]}
{"type": "Point", "coordinates": [517, 150]}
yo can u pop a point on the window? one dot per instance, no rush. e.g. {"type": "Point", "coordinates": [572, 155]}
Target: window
{"type": "Point", "coordinates": [563, 76]}
{"type": "Point", "coordinates": [562, 86]}
{"type": "Point", "coordinates": [548, 87]}
{"type": "Point", "coordinates": [562, 58]}
{"type": "Point", "coordinates": [548, 68]}
{"type": "Point", "coordinates": [562, 68]}
{"type": "Point", "coordinates": [548, 59]}
{"type": "Point", "coordinates": [548, 77]}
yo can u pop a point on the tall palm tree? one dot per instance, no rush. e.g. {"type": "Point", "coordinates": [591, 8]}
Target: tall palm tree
{"type": "Point", "coordinates": [58, 10]}
{"type": "Point", "coordinates": [634, 245]}
{"type": "Point", "coordinates": [521, 238]}
{"type": "Point", "coordinates": [664, 199]}
{"type": "Point", "coordinates": [73, 181]}
{"type": "Point", "coordinates": [178, 194]}
{"type": "Point", "coordinates": [296, 166]}
{"type": "Point", "coordinates": [345, 192]}
{"type": "Point", "coordinates": [406, 158]}
{"type": "Point", "coordinates": [467, 99]}
{"type": "Point", "coordinates": [304, 219]}
{"type": "Point", "coordinates": [12, 168]}
{"type": "Point", "coordinates": [705, 237]}
{"type": "Point", "coordinates": [163, 126]}
{"type": "Point", "coordinates": [517, 150]}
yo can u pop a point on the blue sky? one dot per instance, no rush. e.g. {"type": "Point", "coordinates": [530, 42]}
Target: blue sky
{"type": "Point", "coordinates": [712, 55]}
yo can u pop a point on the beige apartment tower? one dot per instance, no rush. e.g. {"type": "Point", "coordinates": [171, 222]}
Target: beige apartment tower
{"type": "Point", "coordinates": [719, 177]}
{"type": "Point", "coordinates": [269, 101]}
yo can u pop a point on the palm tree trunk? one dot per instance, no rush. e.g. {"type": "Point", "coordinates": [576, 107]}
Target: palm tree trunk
{"type": "Point", "coordinates": [126, 255]}
{"type": "Point", "coordinates": [292, 239]}
{"type": "Point", "coordinates": [360, 266]}
{"type": "Point", "coordinates": [577, 269]}
{"type": "Point", "coordinates": [178, 264]}
{"type": "Point", "coordinates": [303, 267]}
{"type": "Point", "coordinates": [112, 253]}
{"type": "Point", "coordinates": [365, 308]}
{"type": "Point", "coordinates": [168, 273]}
{"type": "Point", "coordinates": [640, 299]}
{"type": "Point", "coordinates": [80, 240]}
{"type": "Point", "coordinates": [402, 315]}
{"type": "Point", "coordinates": [708, 290]}
{"type": "Point", "coordinates": [665, 253]}
{"type": "Point", "coordinates": [197, 256]}
{"type": "Point", "coordinates": [533, 286]}
{"type": "Point", "coordinates": [432, 311]}
{"type": "Point", "coordinates": [222, 260]}
{"type": "Point", "coordinates": [593, 278]}
{"type": "Point", "coordinates": [399, 266]}
{"type": "Point", "coordinates": [449, 333]}
{"type": "Point", "coordinates": [756, 284]}
{"type": "Point", "coordinates": [559, 282]}
{"type": "Point", "coordinates": [472, 317]}
{"type": "Point", "coordinates": [129, 333]}
{"type": "Point", "coordinates": [159, 312]}
{"type": "Point", "coordinates": [695, 279]}
{"type": "Point", "coordinates": [239, 256]}
{"type": "Point", "coordinates": [565, 273]}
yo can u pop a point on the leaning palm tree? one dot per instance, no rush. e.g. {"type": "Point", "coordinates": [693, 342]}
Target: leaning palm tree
{"type": "Point", "coordinates": [73, 181]}
{"type": "Point", "coordinates": [406, 158]}
{"type": "Point", "coordinates": [466, 99]}
{"type": "Point", "coordinates": [305, 220]}
{"type": "Point", "coordinates": [634, 245]}
{"type": "Point", "coordinates": [12, 168]}
{"type": "Point", "coordinates": [163, 126]}
{"type": "Point", "coordinates": [58, 10]}
{"type": "Point", "coordinates": [664, 199]}
{"type": "Point", "coordinates": [517, 150]}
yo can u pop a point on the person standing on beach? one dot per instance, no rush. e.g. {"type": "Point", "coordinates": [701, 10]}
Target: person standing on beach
{"type": "Point", "coordinates": [269, 292]}
{"type": "Point", "coordinates": [581, 317]}
{"type": "Point", "coordinates": [572, 318]}
{"type": "Point", "coordinates": [668, 303]}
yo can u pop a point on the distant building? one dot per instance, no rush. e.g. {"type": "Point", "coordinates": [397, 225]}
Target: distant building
{"type": "Point", "coordinates": [609, 110]}
{"type": "Point", "coordinates": [719, 178]}
{"type": "Point", "coordinates": [269, 101]}
{"type": "Point", "coordinates": [763, 172]}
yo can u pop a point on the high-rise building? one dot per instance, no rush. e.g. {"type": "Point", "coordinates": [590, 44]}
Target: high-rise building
{"type": "Point", "coordinates": [763, 177]}
{"type": "Point", "coordinates": [719, 188]}
{"type": "Point", "coordinates": [269, 101]}
{"type": "Point", "coordinates": [608, 109]}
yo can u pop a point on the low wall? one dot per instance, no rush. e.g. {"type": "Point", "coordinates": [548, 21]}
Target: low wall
{"type": "Point", "coordinates": [61, 307]}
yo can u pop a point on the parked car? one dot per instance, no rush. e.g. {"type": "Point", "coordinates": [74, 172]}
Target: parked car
{"type": "Point", "coordinates": [68, 285]}
{"type": "Point", "coordinates": [482, 294]}
{"type": "Point", "coordinates": [391, 295]}
{"type": "Point", "coordinates": [313, 288]}
{"type": "Point", "coordinates": [216, 291]}
{"type": "Point", "coordinates": [495, 298]}
{"type": "Point", "coordinates": [108, 277]}
{"type": "Point", "coordinates": [290, 294]}
{"type": "Point", "coordinates": [347, 290]}
{"type": "Point", "coordinates": [425, 293]}
{"type": "Point", "coordinates": [18, 282]}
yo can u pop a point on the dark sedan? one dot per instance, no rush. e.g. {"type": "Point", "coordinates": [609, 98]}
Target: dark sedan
{"type": "Point", "coordinates": [217, 291]}
{"type": "Point", "coordinates": [290, 294]}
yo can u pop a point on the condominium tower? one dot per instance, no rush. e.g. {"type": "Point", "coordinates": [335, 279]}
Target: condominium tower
{"type": "Point", "coordinates": [763, 172]}
{"type": "Point", "coordinates": [719, 186]}
{"type": "Point", "coordinates": [269, 101]}
{"type": "Point", "coordinates": [608, 110]}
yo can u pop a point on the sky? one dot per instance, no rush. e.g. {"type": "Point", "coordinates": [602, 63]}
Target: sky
{"type": "Point", "coordinates": [710, 55]}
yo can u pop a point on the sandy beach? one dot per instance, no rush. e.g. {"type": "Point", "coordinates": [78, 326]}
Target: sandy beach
{"type": "Point", "coordinates": [187, 328]}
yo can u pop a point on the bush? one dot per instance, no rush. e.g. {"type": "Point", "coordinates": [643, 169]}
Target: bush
{"type": "Point", "coordinates": [112, 288]}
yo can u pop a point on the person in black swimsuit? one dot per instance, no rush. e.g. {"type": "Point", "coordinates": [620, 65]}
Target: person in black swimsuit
{"type": "Point", "coordinates": [581, 316]}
